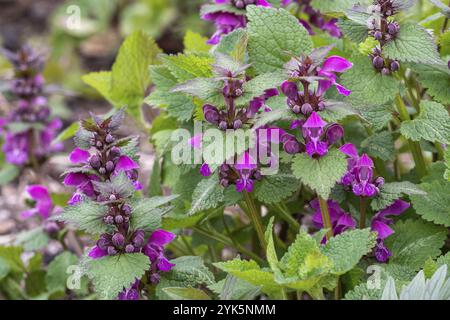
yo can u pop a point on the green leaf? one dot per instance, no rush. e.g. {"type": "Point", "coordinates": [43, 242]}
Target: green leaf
{"type": "Point", "coordinates": [208, 90]}
{"type": "Point", "coordinates": [68, 133]}
{"type": "Point", "coordinates": [272, 33]}
{"type": "Point", "coordinates": [57, 275]}
{"type": "Point", "coordinates": [207, 194]}
{"type": "Point", "coordinates": [100, 81]}
{"type": "Point", "coordinates": [4, 269]}
{"type": "Point", "coordinates": [355, 31]}
{"type": "Point", "coordinates": [413, 44]}
{"type": "Point", "coordinates": [232, 288]}
{"type": "Point", "coordinates": [380, 145]}
{"type": "Point", "coordinates": [130, 77]}
{"type": "Point", "coordinates": [178, 105]}
{"type": "Point", "coordinates": [432, 124]}
{"type": "Point", "coordinates": [194, 42]}
{"type": "Point", "coordinates": [147, 213]}
{"type": "Point", "coordinates": [368, 86]}
{"type": "Point", "coordinates": [414, 241]}
{"type": "Point", "coordinates": [119, 185]}
{"type": "Point", "coordinates": [258, 85]}
{"type": "Point", "coordinates": [271, 253]}
{"type": "Point", "coordinates": [335, 6]}
{"type": "Point", "coordinates": [8, 173]}
{"type": "Point", "coordinates": [188, 66]}
{"type": "Point", "coordinates": [433, 206]}
{"type": "Point", "coordinates": [320, 174]}
{"type": "Point", "coordinates": [110, 275]}
{"type": "Point", "coordinates": [35, 283]}
{"type": "Point", "coordinates": [86, 216]}
{"type": "Point", "coordinates": [337, 111]}
{"type": "Point", "coordinates": [234, 44]}
{"type": "Point", "coordinates": [12, 257]}
{"type": "Point", "coordinates": [162, 77]}
{"type": "Point", "coordinates": [190, 271]}
{"type": "Point", "coordinates": [435, 81]}
{"type": "Point", "coordinates": [389, 192]}
{"type": "Point", "coordinates": [32, 240]}
{"type": "Point", "coordinates": [252, 273]}
{"type": "Point", "coordinates": [275, 188]}
{"type": "Point", "coordinates": [378, 116]}
{"type": "Point", "coordinates": [347, 248]}
{"type": "Point", "coordinates": [186, 294]}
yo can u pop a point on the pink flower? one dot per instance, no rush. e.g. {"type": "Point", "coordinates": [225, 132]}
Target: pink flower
{"type": "Point", "coordinates": [44, 205]}
{"type": "Point", "coordinates": [330, 67]}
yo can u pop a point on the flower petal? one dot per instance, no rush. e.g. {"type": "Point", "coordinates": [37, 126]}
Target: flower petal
{"type": "Point", "coordinates": [342, 90]}
{"type": "Point", "coordinates": [161, 237]}
{"type": "Point", "coordinates": [336, 64]}
{"type": "Point", "coordinates": [38, 193]}
{"type": "Point", "coordinates": [79, 156]}
{"type": "Point", "coordinates": [350, 150]}
{"type": "Point", "coordinates": [164, 265]}
{"type": "Point", "coordinates": [397, 208]}
{"type": "Point", "coordinates": [382, 229]}
{"type": "Point", "coordinates": [126, 163]}
{"type": "Point", "coordinates": [97, 253]}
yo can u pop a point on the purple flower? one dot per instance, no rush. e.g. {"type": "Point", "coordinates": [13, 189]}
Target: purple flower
{"type": "Point", "coordinates": [330, 67]}
{"type": "Point", "coordinates": [44, 204]}
{"type": "Point", "coordinates": [245, 167]}
{"type": "Point", "coordinates": [360, 173]}
{"type": "Point", "coordinates": [340, 220]}
{"type": "Point", "coordinates": [380, 222]}
{"type": "Point", "coordinates": [227, 22]}
{"type": "Point", "coordinates": [154, 249]}
{"type": "Point", "coordinates": [312, 132]}
{"type": "Point", "coordinates": [132, 293]}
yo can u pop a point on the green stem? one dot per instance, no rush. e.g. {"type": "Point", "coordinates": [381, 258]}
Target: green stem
{"type": "Point", "coordinates": [362, 212]}
{"type": "Point", "coordinates": [255, 217]}
{"type": "Point", "coordinates": [325, 217]}
{"type": "Point", "coordinates": [286, 216]}
{"type": "Point", "coordinates": [414, 146]}
{"type": "Point", "coordinates": [224, 240]}
{"type": "Point", "coordinates": [338, 290]}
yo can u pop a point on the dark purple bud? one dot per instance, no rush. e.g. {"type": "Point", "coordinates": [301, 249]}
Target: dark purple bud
{"type": "Point", "coordinates": [223, 125]}
{"type": "Point", "coordinates": [240, 4]}
{"type": "Point", "coordinates": [237, 124]}
{"type": "Point", "coordinates": [155, 278]}
{"type": "Point", "coordinates": [395, 65]}
{"type": "Point", "coordinates": [296, 109]}
{"type": "Point", "coordinates": [118, 219]}
{"type": "Point", "coordinates": [110, 166]}
{"type": "Point", "coordinates": [129, 248]}
{"type": "Point", "coordinates": [306, 109]}
{"type": "Point", "coordinates": [111, 251]}
{"type": "Point", "coordinates": [211, 113]}
{"type": "Point", "coordinates": [292, 146]}
{"type": "Point", "coordinates": [238, 92]}
{"type": "Point", "coordinates": [321, 106]}
{"type": "Point", "coordinates": [334, 133]}
{"type": "Point", "coordinates": [94, 161]}
{"type": "Point", "coordinates": [393, 28]}
{"type": "Point", "coordinates": [379, 181]}
{"type": "Point", "coordinates": [385, 71]}
{"type": "Point", "coordinates": [112, 197]}
{"type": "Point", "coordinates": [51, 227]}
{"type": "Point", "coordinates": [108, 219]}
{"type": "Point", "coordinates": [378, 35]}
{"type": "Point", "coordinates": [224, 183]}
{"type": "Point", "coordinates": [138, 241]}
{"type": "Point", "coordinates": [118, 240]}
{"type": "Point", "coordinates": [126, 208]}
{"type": "Point", "coordinates": [289, 89]}
{"type": "Point", "coordinates": [114, 152]}
{"type": "Point", "coordinates": [99, 144]}
{"type": "Point", "coordinates": [102, 170]}
{"type": "Point", "coordinates": [109, 138]}
{"type": "Point", "coordinates": [378, 62]}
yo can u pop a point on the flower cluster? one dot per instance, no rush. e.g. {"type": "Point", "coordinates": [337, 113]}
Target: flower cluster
{"type": "Point", "coordinates": [383, 29]}
{"type": "Point", "coordinates": [380, 224]}
{"type": "Point", "coordinates": [317, 135]}
{"type": "Point", "coordinates": [359, 174]}
{"type": "Point", "coordinates": [308, 71]}
{"type": "Point", "coordinates": [108, 175]}
{"type": "Point", "coordinates": [43, 206]}
{"type": "Point", "coordinates": [28, 130]}
{"type": "Point", "coordinates": [315, 18]}
{"type": "Point", "coordinates": [228, 21]}
{"type": "Point", "coordinates": [340, 220]}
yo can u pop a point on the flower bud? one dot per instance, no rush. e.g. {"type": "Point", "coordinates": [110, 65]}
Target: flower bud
{"type": "Point", "coordinates": [379, 181]}
{"type": "Point", "coordinates": [111, 251]}
{"type": "Point", "coordinates": [296, 109]}
{"type": "Point", "coordinates": [240, 4]}
{"type": "Point", "coordinates": [110, 166]}
{"type": "Point", "coordinates": [306, 109]}
{"type": "Point", "coordinates": [378, 35]}
{"type": "Point", "coordinates": [112, 197]}
{"type": "Point", "coordinates": [238, 92]}
{"type": "Point", "coordinates": [129, 248]}
{"type": "Point", "coordinates": [385, 71]}
{"type": "Point", "coordinates": [126, 209]}
{"type": "Point", "coordinates": [334, 133]}
{"type": "Point", "coordinates": [118, 219]}
{"type": "Point", "coordinates": [292, 146]}
{"type": "Point", "coordinates": [224, 183]}
{"type": "Point", "coordinates": [99, 144]}
{"type": "Point", "coordinates": [237, 124]}
{"type": "Point", "coordinates": [211, 113]}
{"type": "Point", "coordinates": [114, 152]}
{"type": "Point", "coordinates": [102, 170]}
{"type": "Point", "coordinates": [118, 240]}
{"type": "Point", "coordinates": [289, 89]}
{"type": "Point", "coordinates": [393, 28]}
{"type": "Point", "coordinates": [108, 219]}
{"type": "Point", "coordinates": [378, 62]}
{"type": "Point", "coordinates": [223, 125]}
{"type": "Point", "coordinates": [395, 65]}
{"type": "Point", "coordinates": [155, 278]}
{"type": "Point", "coordinates": [51, 227]}
{"type": "Point", "coordinates": [109, 138]}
